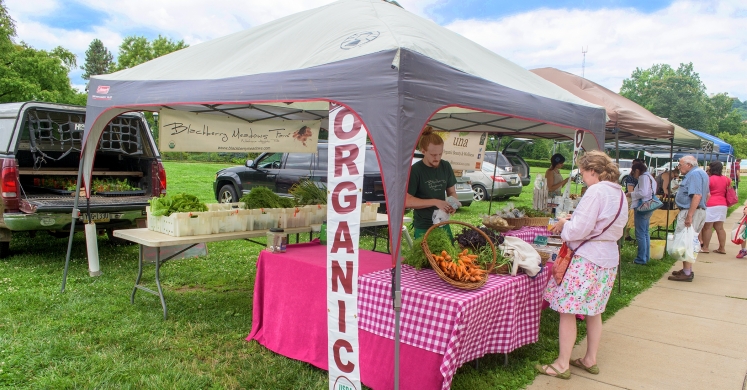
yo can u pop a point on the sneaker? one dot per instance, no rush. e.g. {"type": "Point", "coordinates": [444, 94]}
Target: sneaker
{"type": "Point", "coordinates": [742, 253]}
{"type": "Point", "coordinates": [681, 272]}
{"type": "Point", "coordinates": [682, 277]}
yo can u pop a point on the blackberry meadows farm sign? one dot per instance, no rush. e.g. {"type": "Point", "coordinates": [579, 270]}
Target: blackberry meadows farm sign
{"type": "Point", "coordinates": [182, 131]}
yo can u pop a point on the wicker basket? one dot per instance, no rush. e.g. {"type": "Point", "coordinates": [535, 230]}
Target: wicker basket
{"type": "Point", "coordinates": [458, 283]}
{"type": "Point", "coordinates": [519, 223]}
{"type": "Point", "coordinates": [499, 228]}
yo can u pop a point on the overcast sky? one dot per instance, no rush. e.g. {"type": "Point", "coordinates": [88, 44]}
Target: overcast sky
{"type": "Point", "coordinates": [619, 35]}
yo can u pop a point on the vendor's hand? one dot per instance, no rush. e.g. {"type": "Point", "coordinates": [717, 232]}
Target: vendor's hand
{"type": "Point", "coordinates": [688, 220]}
{"type": "Point", "coordinates": [445, 206]}
{"type": "Point", "coordinates": [558, 227]}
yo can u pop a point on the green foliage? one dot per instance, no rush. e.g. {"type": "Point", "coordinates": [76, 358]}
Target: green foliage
{"type": "Point", "coordinates": [30, 74]}
{"type": "Point", "coordinates": [740, 107]}
{"type": "Point", "coordinates": [99, 60]}
{"type": "Point", "coordinates": [136, 50]}
{"type": "Point", "coordinates": [307, 192]}
{"type": "Point", "coordinates": [179, 203]}
{"type": "Point", "coordinates": [263, 198]}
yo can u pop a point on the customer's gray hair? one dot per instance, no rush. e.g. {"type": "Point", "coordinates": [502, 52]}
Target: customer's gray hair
{"type": "Point", "coordinates": [690, 160]}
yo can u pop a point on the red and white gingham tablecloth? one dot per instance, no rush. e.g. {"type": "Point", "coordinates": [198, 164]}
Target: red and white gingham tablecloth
{"type": "Point", "coordinates": [529, 233]}
{"type": "Point", "coordinates": [462, 325]}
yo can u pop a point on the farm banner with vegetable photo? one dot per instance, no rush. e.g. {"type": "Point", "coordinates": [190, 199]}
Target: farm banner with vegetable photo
{"type": "Point", "coordinates": [182, 131]}
{"type": "Point", "coordinates": [464, 150]}
{"type": "Point", "coordinates": [347, 146]}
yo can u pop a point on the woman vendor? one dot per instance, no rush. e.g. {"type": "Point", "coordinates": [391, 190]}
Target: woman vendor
{"type": "Point", "coordinates": [554, 180]}
{"type": "Point", "coordinates": [431, 180]}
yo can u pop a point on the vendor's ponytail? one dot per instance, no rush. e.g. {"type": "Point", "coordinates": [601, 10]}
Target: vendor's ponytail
{"type": "Point", "coordinates": [429, 138]}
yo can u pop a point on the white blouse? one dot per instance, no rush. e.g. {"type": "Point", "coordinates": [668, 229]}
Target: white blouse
{"type": "Point", "coordinates": [597, 208]}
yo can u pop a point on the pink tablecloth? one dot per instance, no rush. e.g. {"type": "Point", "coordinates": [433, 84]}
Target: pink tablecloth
{"type": "Point", "coordinates": [459, 324]}
{"type": "Point", "coordinates": [289, 317]}
{"type": "Point", "coordinates": [528, 233]}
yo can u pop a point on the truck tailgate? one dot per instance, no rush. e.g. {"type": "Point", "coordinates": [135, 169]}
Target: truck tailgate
{"type": "Point", "coordinates": [64, 203]}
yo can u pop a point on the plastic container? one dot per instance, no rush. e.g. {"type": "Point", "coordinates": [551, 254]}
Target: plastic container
{"type": "Point", "coordinates": [276, 240]}
{"type": "Point", "coordinates": [323, 233]}
{"type": "Point", "coordinates": [657, 249]}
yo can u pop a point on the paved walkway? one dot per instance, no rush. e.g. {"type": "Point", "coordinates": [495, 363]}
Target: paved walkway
{"type": "Point", "coordinates": [675, 335]}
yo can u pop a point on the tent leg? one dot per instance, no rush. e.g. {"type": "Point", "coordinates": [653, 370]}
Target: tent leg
{"type": "Point", "coordinates": [397, 302]}
{"type": "Point", "coordinates": [75, 215]}
{"type": "Point", "coordinates": [495, 169]}
{"type": "Point", "coordinates": [671, 156]}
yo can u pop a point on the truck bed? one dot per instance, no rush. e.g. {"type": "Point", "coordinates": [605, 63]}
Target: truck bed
{"type": "Point", "coordinates": [52, 203]}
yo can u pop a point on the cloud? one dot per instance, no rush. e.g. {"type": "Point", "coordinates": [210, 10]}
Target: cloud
{"type": "Point", "coordinates": [708, 34]}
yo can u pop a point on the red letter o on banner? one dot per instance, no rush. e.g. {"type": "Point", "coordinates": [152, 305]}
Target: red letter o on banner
{"type": "Point", "coordinates": [341, 134]}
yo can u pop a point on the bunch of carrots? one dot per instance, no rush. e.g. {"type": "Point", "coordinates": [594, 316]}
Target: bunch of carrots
{"type": "Point", "coordinates": [463, 268]}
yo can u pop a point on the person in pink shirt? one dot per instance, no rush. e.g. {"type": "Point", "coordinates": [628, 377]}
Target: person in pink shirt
{"type": "Point", "coordinates": [600, 218]}
{"type": "Point", "coordinates": [716, 208]}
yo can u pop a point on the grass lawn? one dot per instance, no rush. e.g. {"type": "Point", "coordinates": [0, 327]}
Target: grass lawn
{"type": "Point", "coordinates": [90, 336]}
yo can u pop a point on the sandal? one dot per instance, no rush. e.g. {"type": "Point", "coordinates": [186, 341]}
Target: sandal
{"type": "Point", "coordinates": [720, 252]}
{"type": "Point", "coordinates": [591, 370]}
{"type": "Point", "coordinates": [543, 370]}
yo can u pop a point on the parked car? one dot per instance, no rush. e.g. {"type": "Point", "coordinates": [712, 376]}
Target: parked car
{"type": "Point", "coordinates": [40, 155]}
{"type": "Point", "coordinates": [666, 167]}
{"type": "Point", "coordinates": [463, 186]}
{"type": "Point", "coordinates": [507, 184]}
{"type": "Point", "coordinates": [280, 171]}
{"type": "Point", "coordinates": [625, 165]}
{"type": "Point", "coordinates": [510, 160]}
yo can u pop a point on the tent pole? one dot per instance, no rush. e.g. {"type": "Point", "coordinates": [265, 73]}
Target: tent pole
{"type": "Point", "coordinates": [669, 187]}
{"type": "Point", "coordinates": [495, 168]}
{"type": "Point", "coordinates": [620, 241]}
{"type": "Point", "coordinates": [397, 303]}
{"type": "Point", "coordinates": [75, 214]}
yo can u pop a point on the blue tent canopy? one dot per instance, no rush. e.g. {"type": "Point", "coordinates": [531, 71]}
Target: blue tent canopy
{"type": "Point", "coordinates": [719, 146]}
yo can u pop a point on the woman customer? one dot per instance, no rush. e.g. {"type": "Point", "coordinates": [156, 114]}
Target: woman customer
{"type": "Point", "coordinates": [599, 218]}
{"type": "Point", "coordinates": [716, 208]}
{"type": "Point", "coordinates": [643, 191]}
{"type": "Point", "coordinates": [431, 179]}
{"type": "Point", "coordinates": [555, 180]}
{"type": "Point", "coordinates": [663, 180]}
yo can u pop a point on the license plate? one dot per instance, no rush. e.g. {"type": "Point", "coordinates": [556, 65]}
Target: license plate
{"type": "Point", "coordinates": [96, 217]}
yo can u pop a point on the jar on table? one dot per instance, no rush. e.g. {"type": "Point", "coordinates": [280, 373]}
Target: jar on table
{"type": "Point", "coordinates": [276, 240]}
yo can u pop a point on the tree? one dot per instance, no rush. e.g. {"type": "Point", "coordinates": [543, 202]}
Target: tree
{"type": "Point", "coordinates": [30, 74]}
{"type": "Point", "coordinates": [99, 60]}
{"type": "Point", "coordinates": [678, 95]}
{"type": "Point", "coordinates": [135, 50]}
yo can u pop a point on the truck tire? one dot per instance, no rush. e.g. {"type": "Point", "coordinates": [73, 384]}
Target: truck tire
{"type": "Point", "coordinates": [4, 249]}
{"type": "Point", "coordinates": [227, 194]}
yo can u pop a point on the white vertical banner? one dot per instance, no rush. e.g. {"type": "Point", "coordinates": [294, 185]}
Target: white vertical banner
{"type": "Point", "coordinates": [347, 146]}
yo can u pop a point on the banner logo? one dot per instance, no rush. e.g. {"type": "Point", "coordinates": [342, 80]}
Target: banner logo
{"type": "Point", "coordinates": [103, 89]}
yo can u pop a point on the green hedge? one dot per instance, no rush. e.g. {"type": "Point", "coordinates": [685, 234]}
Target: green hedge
{"type": "Point", "coordinates": [538, 163]}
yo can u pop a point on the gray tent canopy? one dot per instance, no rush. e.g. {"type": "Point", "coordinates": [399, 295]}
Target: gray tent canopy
{"type": "Point", "coordinates": [396, 71]}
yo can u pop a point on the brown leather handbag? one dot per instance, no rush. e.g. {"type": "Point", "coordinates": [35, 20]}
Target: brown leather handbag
{"type": "Point", "coordinates": [565, 254]}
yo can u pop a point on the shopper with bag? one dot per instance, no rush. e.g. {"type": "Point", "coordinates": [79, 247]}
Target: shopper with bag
{"type": "Point", "coordinates": [644, 201]}
{"type": "Point", "coordinates": [716, 207]}
{"type": "Point", "coordinates": [583, 278]}
{"type": "Point", "coordinates": [691, 199]}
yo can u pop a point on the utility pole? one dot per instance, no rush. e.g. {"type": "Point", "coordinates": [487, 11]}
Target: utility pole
{"type": "Point", "coordinates": [583, 64]}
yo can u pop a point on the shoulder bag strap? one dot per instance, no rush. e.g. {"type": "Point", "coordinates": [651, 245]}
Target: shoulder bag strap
{"type": "Point", "coordinates": [603, 230]}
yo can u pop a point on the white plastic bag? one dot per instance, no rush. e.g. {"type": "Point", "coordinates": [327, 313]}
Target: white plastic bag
{"type": "Point", "coordinates": [682, 247]}
{"type": "Point", "coordinates": [440, 215]}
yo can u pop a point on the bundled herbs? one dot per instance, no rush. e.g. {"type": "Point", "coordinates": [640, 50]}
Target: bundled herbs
{"type": "Point", "coordinates": [179, 203]}
{"type": "Point", "coordinates": [438, 241]}
{"type": "Point", "coordinates": [307, 192]}
{"type": "Point", "coordinates": [263, 198]}
{"type": "Point", "coordinates": [111, 185]}
{"type": "Point", "coordinates": [474, 241]}
{"type": "Point", "coordinates": [532, 213]}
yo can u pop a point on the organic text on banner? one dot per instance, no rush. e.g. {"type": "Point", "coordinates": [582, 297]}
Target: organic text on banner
{"type": "Point", "coordinates": [347, 146]}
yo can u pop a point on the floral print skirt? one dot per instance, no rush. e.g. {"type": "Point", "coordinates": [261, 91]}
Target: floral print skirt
{"type": "Point", "coordinates": [585, 289]}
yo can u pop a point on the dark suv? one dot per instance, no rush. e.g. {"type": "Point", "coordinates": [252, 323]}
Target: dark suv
{"type": "Point", "coordinates": [280, 171]}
